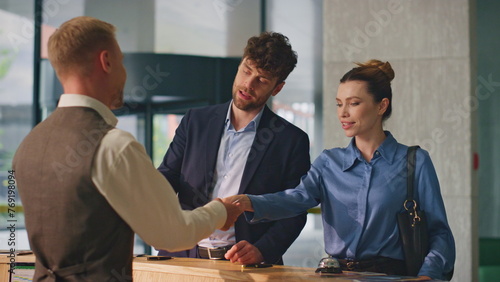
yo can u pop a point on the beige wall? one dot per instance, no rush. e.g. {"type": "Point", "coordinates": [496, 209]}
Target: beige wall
{"type": "Point", "coordinates": [428, 44]}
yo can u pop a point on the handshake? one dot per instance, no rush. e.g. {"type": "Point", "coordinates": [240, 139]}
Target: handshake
{"type": "Point", "coordinates": [235, 206]}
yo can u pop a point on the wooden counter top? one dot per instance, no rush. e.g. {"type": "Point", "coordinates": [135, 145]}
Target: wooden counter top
{"type": "Point", "coordinates": [189, 269]}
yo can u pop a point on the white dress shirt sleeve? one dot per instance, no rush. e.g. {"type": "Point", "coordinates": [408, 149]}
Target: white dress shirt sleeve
{"type": "Point", "coordinates": [125, 175]}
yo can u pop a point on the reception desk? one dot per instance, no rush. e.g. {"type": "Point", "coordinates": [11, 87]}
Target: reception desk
{"type": "Point", "coordinates": [188, 269]}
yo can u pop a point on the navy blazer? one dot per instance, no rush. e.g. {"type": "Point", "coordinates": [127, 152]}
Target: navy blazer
{"type": "Point", "coordinates": [279, 157]}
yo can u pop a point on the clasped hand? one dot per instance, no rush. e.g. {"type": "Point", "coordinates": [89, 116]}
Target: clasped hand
{"type": "Point", "coordinates": [235, 205]}
{"type": "Point", "coordinates": [243, 252]}
{"type": "Point", "coordinates": [241, 200]}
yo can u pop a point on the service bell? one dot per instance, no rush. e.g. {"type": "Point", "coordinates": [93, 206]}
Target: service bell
{"type": "Point", "coordinates": [329, 265]}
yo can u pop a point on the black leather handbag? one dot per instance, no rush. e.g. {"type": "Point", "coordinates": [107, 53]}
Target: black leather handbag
{"type": "Point", "coordinates": [412, 223]}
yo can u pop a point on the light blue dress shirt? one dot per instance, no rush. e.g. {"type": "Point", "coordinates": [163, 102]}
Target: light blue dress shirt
{"type": "Point", "coordinates": [359, 202]}
{"type": "Point", "coordinates": [231, 160]}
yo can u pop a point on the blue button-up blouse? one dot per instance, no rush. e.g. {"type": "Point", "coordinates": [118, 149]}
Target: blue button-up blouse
{"type": "Point", "coordinates": [359, 202]}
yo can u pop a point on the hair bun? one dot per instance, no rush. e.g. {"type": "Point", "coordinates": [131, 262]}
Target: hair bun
{"type": "Point", "coordinates": [386, 68]}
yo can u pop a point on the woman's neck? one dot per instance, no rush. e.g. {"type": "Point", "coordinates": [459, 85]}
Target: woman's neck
{"type": "Point", "coordinates": [367, 145]}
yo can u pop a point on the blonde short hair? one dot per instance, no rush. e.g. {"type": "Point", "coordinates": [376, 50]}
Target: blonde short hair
{"type": "Point", "coordinates": [72, 46]}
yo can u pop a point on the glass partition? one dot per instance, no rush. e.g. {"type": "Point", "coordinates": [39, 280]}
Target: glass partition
{"type": "Point", "coordinates": [16, 102]}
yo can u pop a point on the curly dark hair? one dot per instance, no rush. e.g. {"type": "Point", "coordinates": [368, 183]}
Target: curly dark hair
{"type": "Point", "coordinates": [271, 52]}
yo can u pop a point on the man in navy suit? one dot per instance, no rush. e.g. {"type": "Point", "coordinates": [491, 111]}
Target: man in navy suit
{"type": "Point", "coordinates": [242, 147]}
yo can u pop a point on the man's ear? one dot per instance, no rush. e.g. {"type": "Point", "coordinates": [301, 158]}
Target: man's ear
{"type": "Point", "coordinates": [104, 61]}
{"type": "Point", "coordinates": [278, 88]}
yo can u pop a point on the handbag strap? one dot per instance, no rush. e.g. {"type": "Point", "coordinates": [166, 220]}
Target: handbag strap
{"type": "Point", "coordinates": [411, 163]}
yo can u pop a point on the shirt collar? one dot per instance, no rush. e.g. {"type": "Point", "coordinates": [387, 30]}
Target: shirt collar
{"type": "Point", "coordinates": [251, 126]}
{"type": "Point", "coordinates": [387, 151]}
{"type": "Point", "coordinates": [78, 100]}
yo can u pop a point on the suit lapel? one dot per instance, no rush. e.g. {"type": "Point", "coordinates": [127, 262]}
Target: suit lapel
{"type": "Point", "coordinates": [215, 127]}
{"type": "Point", "coordinates": [263, 138]}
